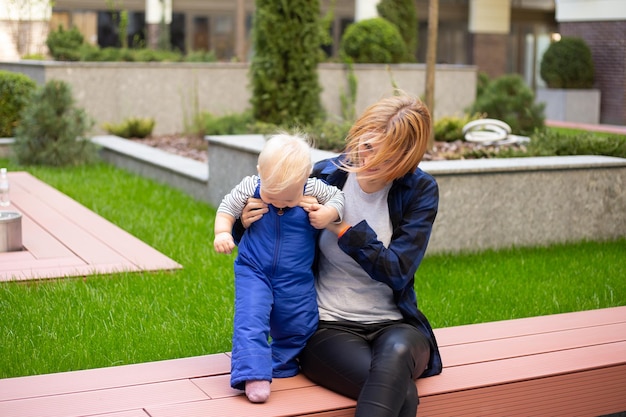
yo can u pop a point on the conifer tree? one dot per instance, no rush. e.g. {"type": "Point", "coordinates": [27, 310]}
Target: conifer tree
{"type": "Point", "coordinates": [54, 130]}
{"type": "Point", "coordinates": [287, 41]}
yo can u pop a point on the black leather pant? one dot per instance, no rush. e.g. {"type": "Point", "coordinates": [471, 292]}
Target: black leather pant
{"type": "Point", "coordinates": [376, 364]}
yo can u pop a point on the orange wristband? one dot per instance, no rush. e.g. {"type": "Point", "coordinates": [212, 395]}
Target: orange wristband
{"type": "Point", "coordinates": [342, 231]}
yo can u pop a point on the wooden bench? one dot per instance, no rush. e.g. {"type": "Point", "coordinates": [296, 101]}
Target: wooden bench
{"type": "Point", "coordinates": [63, 238]}
{"type": "Point", "coordinates": [558, 365]}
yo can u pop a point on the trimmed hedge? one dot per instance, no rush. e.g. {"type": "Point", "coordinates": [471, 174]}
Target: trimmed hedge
{"type": "Point", "coordinates": [568, 64]}
{"type": "Point", "coordinates": [375, 40]}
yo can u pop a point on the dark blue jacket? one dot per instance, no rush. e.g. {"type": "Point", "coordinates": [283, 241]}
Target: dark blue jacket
{"type": "Point", "coordinates": [413, 201]}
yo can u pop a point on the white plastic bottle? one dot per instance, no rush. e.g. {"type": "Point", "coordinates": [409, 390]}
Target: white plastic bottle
{"type": "Point", "coordinates": [5, 198]}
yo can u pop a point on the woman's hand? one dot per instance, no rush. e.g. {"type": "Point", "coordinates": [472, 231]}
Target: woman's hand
{"type": "Point", "coordinates": [254, 209]}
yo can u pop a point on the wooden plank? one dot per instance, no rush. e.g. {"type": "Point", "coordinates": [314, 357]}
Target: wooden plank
{"type": "Point", "coordinates": [533, 368]}
{"type": "Point", "coordinates": [580, 370]}
{"type": "Point", "coordinates": [541, 343]}
{"type": "Point", "coordinates": [590, 393]}
{"type": "Point", "coordinates": [69, 271]}
{"type": "Point", "coordinates": [530, 325]}
{"type": "Point", "coordinates": [295, 402]}
{"type": "Point", "coordinates": [55, 229]}
{"type": "Point", "coordinates": [524, 368]}
{"type": "Point", "coordinates": [111, 377]}
{"type": "Point", "coordinates": [219, 386]}
{"type": "Point", "coordinates": [104, 400]}
{"type": "Point", "coordinates": [78, 237]}
{"type": "Point", "coordinates": [129, 413]}
{"type": "Point", "coordinates": [40, 243]}
{"type": "Point", "coordinates": [42, 268]}
{"type": "Point", "coordinates": [90, 223]}
{"type": "Point", "coordinates": [7, 258]}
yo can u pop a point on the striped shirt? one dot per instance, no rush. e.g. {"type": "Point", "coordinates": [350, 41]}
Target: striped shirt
{"type": "Point", "coordinates": [234, 202]}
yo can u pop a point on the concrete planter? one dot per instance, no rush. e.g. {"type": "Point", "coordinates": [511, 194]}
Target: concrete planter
{"type": "Point", "coordinates": [484, 203]}
{"type": "Point", "coordinates": [570, 105]}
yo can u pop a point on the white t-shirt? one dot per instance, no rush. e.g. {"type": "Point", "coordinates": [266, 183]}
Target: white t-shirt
{"type": "Point", "coordinates": [344, 290]}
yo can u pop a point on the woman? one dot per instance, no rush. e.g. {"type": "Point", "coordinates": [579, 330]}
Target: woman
{"type": "Point", "coordinates": [372, 341]}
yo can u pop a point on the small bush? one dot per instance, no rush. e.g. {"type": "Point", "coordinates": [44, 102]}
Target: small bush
{"type": "Point", "coordinates": [152, 55]}
{"type": "Point", "coordinates": [328, 135]}
{"type": "Point", "coordinates": [200, 56]}
{"type": "Point", "coordinates": [568, 64]}
{"type": "Point", "coordinates": [132, 127]}
{"type": "Point", "coordinates": [449, 129]}
{"type": "Point", "coordinates": [509, 99]}
{"type": "Point", "coordinates": [325, 134]}
{"type": "Point", "coordinates": [34, 57]}
{"type": "Point", "coordinates": [228, 124]}
{"type": "Point", "coordinates": [53, 130]}
{"type": "Point", "coordinates": [373, 41]}
{"type": "Point", "coordinates": [551, 142]}
{"type": "Point", "coordinates": [556, 142]}
{"type": "Point", "coordinates": [403, 14]}
{"type": "Point", "coordinates": [117, 54]}
{"type": "Point", "coordinates": [64, 45]}
{"type": "Point", "coordinates": [15, 93]}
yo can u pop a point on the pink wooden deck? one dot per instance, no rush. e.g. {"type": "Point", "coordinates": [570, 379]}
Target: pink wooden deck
{"type": "Point", "coordinates": [62, 238]}
{"type": "Point", "coordinates": [570, 364]}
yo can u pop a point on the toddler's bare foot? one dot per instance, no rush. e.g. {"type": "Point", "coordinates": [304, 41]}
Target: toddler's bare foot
{"type": "Point", "coordinates": [258, 391]}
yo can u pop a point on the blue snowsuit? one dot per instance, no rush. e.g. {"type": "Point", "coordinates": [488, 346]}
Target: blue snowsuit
{"type": "Point", "coordinates": [274, 289]}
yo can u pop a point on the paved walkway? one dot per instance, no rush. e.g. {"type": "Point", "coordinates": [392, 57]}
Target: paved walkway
{"type": "Point", "coordinates": [62, 238]}
{"type": "Point", "coordinates": [615, 129]}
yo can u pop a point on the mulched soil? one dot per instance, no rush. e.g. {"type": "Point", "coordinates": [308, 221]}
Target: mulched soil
{"type": "Point", "coordinates": [196, 148]}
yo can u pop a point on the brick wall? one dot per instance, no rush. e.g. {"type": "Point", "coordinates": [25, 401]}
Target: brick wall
{"type": "Point", "coordinates": [607, 41]}
{"type": "Point", "coordinates": [489, 54]}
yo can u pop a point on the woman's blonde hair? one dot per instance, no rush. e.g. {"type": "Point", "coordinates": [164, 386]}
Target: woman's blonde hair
{"type": "Point", "coordinates": [397, 128]}
{"type": "Point", "coordinates": [284, 160]}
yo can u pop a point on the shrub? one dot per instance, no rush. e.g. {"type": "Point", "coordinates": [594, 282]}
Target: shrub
{"type": "Point", "coordinates": [372, 41]}
{"type": "Point", "coordinates": [53, 130]}
{"type": "Point", "coordinates": [449, 129]}
{"type": "Point", "coordinates": [328, 135]}
{"type": "Point", "coordinates": [229, 124]}
{"type": "Point", "coordinates": [200, 56]}
{"type": "Point", "coordinates": [152, 55]}
{"type": "Point", "coordinates": [287, 40]}
{"type": "Point", "coordinates": [34, 57]}
{"type": "Point", "coordinates": [115, 54]}
{"type": "Point", "coordinates": [482, 81]}
{"type": "Point", "coordinates": [403, 14]}
{"type": "Point", "coordinates": [568, 64]}
{"type": "Point", "coordinates": [15, 93]}
{"type": "Point", "coordinates": [509, 99]}
{"type": "Point", "coordinates": [132, 127]}
{"type": "Point", "coordinates": [64, 45]}
{"type": "Point", "coordinates": [550, 142]}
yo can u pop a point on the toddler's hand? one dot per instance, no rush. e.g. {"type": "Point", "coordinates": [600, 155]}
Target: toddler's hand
{"type": "Point", "coordinates": [224, 243]}
{"type": "Point", "coordinates": [320, 216]}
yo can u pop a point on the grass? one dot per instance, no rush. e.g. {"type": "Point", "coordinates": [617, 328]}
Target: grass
{"type": "Point", "coordinates": [68, 324]}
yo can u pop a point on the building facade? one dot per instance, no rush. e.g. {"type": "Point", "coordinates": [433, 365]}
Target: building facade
{"type": "Point", "coordinates": [497, 36]}
{"type": "Point", "coordinates": [602, 24]}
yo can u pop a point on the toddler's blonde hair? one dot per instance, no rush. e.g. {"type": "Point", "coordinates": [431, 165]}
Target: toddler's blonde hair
{"type": "Point", "coordinates": [284, 160]}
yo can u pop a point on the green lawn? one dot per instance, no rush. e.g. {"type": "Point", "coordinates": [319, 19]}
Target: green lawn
{"type": "Point", "coordinates": [68, 324]}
